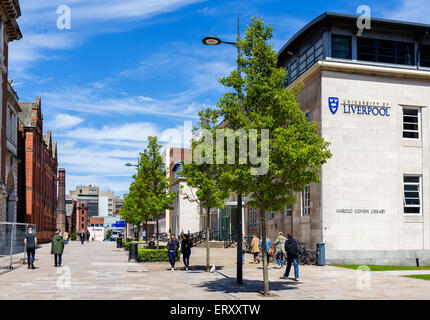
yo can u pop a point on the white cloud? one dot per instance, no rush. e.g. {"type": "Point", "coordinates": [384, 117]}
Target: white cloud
{"type": "Point", "coordinates": [64, 121]}
{"type": "Point", "coordinates": [414, 11]}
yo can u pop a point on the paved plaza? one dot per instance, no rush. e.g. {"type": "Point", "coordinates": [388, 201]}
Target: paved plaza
{"type": "Point", "coordinates": [99, 270]}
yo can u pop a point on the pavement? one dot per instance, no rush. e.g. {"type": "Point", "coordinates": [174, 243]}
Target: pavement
{"type": "Point", "coordinates": [98, 270]}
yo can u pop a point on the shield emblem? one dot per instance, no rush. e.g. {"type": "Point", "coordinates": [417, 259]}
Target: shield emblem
{"type": "Point", "coordinates": [333, 103]}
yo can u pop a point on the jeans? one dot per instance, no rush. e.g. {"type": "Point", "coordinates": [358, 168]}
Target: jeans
{"type": "Point", "coordinates": [243, 256]}
{"type": "Point", "coordinates": [256, 256]}
{"type": "Point", "coordinates": [296, 267]}
{"type": "Point", "coordinates": [82, 240]}
{"type": "Point", "coordinates": [59, 259]}
{"type": "Point", "coordinates": [186, 258]}
{"type": "Point", "coordinates": [172, 256]}
{"type": "Point", "coordinates": [32, 252]}
{"type": "Point", "coordinates": [280, 259]}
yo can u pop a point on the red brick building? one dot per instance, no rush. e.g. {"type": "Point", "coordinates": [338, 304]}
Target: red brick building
{"type": "Point", "coordinates": [37, 171]}
{"type": "Point", "coordinates": [96, 221]}
{"type": "Point", "coordinates": [81, 217]}
{"type": "Point", "coordinates": [9, 31]}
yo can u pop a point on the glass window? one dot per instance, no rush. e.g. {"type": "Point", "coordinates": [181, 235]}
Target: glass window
{"type": "Point", "coordinates": [288, 211]}
{"type": "Point", "coordinates": [341, 47]}
{"type": "Point", "coordinates": [306, 201]}
{"type": "Point", "coordinates": [425, 56]}
{"type": "Point", "coordinates": [385, 51]}
{"type": "Point", "coordinates": [412, 194]}
{"type": "Point", "coordinates": [252, 218]}
{"type": "Point", "coordinates": [411, 123]}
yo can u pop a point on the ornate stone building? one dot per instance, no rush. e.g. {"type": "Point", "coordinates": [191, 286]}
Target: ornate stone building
{"type": "Point", "coordinates": [9, 31]}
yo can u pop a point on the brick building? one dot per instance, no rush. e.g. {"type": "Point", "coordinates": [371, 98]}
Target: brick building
{"type": "Point", "coordinates": [9, 31]}
{"type": "Point", "coordinates": [81, 217]}
{"type": "Point", "coordinates": [70, 208]}
{"type": "Point", "coordinates": [37, 170]}
{"type": "Point", "coordinates": [61, 207]}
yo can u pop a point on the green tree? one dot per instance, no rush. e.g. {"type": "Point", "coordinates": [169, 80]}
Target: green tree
{"type": "Point", "coordinates": [130, 210]}
{"type": "Point", "coordinates": [207, 176]}
{"type": "Point", "coordinates": [154, 183]}
{"type": "Point", "coordinates": [292, 153]}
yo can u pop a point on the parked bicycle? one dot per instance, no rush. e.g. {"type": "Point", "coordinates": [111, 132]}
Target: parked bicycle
{"type": "Point", "coordinates": [306, 256]}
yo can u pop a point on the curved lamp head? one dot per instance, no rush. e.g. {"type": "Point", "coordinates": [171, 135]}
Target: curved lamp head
{"type": "Point", "coordinates": [128, 164]}
{"type": "Point", "coordinates": [211, 41]}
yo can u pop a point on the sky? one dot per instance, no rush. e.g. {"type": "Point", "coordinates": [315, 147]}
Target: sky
{"type": "Point", "coordinates": [129, 69]}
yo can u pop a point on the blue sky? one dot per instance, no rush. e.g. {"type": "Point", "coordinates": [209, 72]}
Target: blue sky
{"type": "Point", "coordinates": [133, 68]}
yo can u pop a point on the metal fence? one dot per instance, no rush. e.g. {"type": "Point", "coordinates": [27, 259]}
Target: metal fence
{"type": "Point", "coordinates": [12, 247]}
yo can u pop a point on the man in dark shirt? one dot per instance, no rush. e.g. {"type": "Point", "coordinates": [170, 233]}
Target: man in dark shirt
{"type": "Point", "coordinates": [291, 248]}
{"type": "Point", "coordinates": [30, 242]}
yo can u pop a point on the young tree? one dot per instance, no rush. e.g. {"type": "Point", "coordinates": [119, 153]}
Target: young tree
{"type": "Point", "coordinates": [154, 183]}
{"type": "Point", "coordinates": [207, 176]}
{"type": "Point", "coordinates": [291, 150]}
{"type": "Point", "coordinates": [129, 211]}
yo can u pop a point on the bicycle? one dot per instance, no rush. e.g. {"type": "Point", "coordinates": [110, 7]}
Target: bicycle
{"type": "Point", "coordinates": [306, 256]}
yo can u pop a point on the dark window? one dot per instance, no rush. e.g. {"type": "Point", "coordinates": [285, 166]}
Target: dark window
{"type": "Point", "coordinates": [425, 56]}
{"type": "Point", "coordinates": [308, 116]}
{"type": "Point", "coordinates": [341, 47]}
{"type": "Point", "coordinates": [412, 194]}
{"type": "Point", "coordinates": [411, 122]}
{"type": "Point", "coordinates": [385, 51]}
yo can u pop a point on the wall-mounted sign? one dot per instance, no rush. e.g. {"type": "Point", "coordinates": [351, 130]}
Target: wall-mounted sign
{"type": "Point", "coordinates": [368, 108]}
{"type": "Point", "coordinates": [360, 211]}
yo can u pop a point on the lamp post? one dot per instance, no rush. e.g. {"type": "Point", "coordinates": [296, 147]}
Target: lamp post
{"type": "Point", "coordinates": [213, 41]}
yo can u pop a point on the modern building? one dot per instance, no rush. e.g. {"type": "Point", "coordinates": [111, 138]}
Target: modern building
{"type": "Point", "coordinates": [106, 204]}
{"type": "Point", "coordinates": [9, 31]}
{"type": "Point", "coordinates": [37, 171]}
{"type": "Point", "coordinates": [369, 91]}
{"type": "Point", "coordinates": [88, 194]}
{"type": "Point", "coordinates": [118, 202]}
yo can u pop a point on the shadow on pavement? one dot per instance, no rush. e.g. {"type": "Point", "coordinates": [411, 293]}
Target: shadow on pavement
{"type": "Point", "coordinates": [196, 268]}
{"type": "Point", "coordinates": [229, 285]}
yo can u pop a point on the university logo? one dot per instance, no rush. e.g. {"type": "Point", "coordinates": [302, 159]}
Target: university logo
{"type": "Point", "coordinates": [333, 103]}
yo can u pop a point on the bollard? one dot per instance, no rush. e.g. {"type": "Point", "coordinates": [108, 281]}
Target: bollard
{"type": "Point", "coordinates": [132, 256]}
{"type": "Point", "coordinates": [118, 242]}
{"type": "Point", "coordinates": [320, 253]}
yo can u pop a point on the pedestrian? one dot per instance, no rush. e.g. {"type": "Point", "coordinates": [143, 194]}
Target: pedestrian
{"type": "Point", "coordinates": [151, 242]}
{"type": "Point", "coordinates": [172, 248]}
{"type": "Point", "coordinates": [292, 250]}
{"type": "Point", "coordinates": [186, 246]}
{"type": "Point", "coordinates": [88, 236]}
{"type": "Point", "coordinates": [255, 248]}
{"type": "Point", "coordinates": [189, 234]}
{"type": "Point", "coordinates": [244, 248]}
{"type": "Point", "coordinates": [30, 242]}
{"type": "Point", "coordinates": [279, 244]}
{"type": "Point", "coordinates": [182, 234]}
{"type": "Point", "coordinates": [144, 235]}
{"type": "Point", "coordinates": [65, 237]}
{"type": "Point", "coordinates": [82, 237]}
{"type": "Point", "coordinates": [268, 246]}
{"type": "Point", "coordinates": [57, 248]}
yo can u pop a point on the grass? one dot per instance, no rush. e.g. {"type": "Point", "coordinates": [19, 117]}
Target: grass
{"type": "Point", "coordinates": [383, 268]}
{"type": "Point", "coordinates": [419, 276]}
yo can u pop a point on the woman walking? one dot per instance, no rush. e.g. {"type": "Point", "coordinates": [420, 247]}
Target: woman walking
{"type": "Point", "coordinates": [172, 248]}
{"type": "Point", "coordinates": [186, 246]}
{"type": "Point", "coordinates": [280, 249]}
{"type": "Point", "coordinates": [57, 248]}
{"type": "Point", "coordinates": [255, 248]}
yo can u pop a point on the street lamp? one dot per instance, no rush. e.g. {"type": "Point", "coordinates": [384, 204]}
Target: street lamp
{"type": "Point", "coordinates": [131, 165]}
{"type": "Point", "coordinates": [214, 41]}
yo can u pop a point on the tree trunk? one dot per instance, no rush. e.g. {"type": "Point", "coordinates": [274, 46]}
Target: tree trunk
{"type": "Point", "coordinates": [264, 250]}
{"type": "Point", "coordinates": [146, 231]}
{"type": "Point", "coordinates": [157, 233]}
{"type": "Point", "coordinates": [207, 238]}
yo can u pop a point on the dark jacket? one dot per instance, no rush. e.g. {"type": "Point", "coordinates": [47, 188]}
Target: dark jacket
{"type": "Point", "coordinates": [172, 245]}
{"type": "Point", "coordinates": [57, 246]}
{"type": "Point", "coordinates": [291, 248]}
{"type": "Point", "coordinates": [186, 246]}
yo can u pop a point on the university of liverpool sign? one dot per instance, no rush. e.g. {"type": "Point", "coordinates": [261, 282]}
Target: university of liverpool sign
{"type": "Point", "coordinates": [359, 107]}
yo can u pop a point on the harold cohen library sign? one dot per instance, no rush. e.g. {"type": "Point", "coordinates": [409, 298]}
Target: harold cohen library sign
{"type": "Point", "coordinates": [366, 108]}
{"type": "Point", "coordinates": [360, 211]}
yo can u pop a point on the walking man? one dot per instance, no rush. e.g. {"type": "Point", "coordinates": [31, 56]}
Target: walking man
{"type": "Point", "coordinates": [30, 242]}
{"type": "Point", "coordinates": [291, 247]}
{"type": "Point", "coordinates": [172, 248]}
{"type": "Point", "coordinates": [255, 248]}
{"type": "Point", "coordinates": [82, 237]}
{"type": "Point", "coordinates": [279, 244]}
{"type": "Point", "coordinates": [57, 248]}
{"type": "Point", "coordinates": [186, 246]}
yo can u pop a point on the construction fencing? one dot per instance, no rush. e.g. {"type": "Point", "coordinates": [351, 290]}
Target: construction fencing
{"type": "Point", "coordinates": [12, 247]}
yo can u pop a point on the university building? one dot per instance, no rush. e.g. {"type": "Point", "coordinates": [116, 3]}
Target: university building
{"type": "Point", "coordinates": [369, 91]}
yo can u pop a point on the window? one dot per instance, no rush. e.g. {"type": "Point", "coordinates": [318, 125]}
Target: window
{"type": "Point", "coordinates": [83, 219]}
{"type": "Point", "coordinates": [341, 47]}
{"type": "Point", "coordinates": [271, 215]}
{"type": "Point", "coordinates": [412, 194]}
{"type": "Point", "coordinates": [252, 218]}
{"type": "Point", "coordinates": [385, 51]}
{"type": "Point", "coordinates": [425, 56]}
{"type": "Point", "coordinates": [288, 211]}
{"type": "Point", "coordinates": [306, 201]}
{"type": "Point", "coordinates": [411, 123]}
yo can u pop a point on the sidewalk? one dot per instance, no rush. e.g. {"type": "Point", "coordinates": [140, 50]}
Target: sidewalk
{"type": "Point", "coordinates": [98, 270]}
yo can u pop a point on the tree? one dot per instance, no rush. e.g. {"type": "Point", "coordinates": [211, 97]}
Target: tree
{"type": "Point", "coordinates": [207, 176]}
{"type": "Point", "coordinates": [292, 152]}
{"type": "Point", "coordinates": [130, 211]}
{"type": "Point", "coordinates": [152, 179]}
